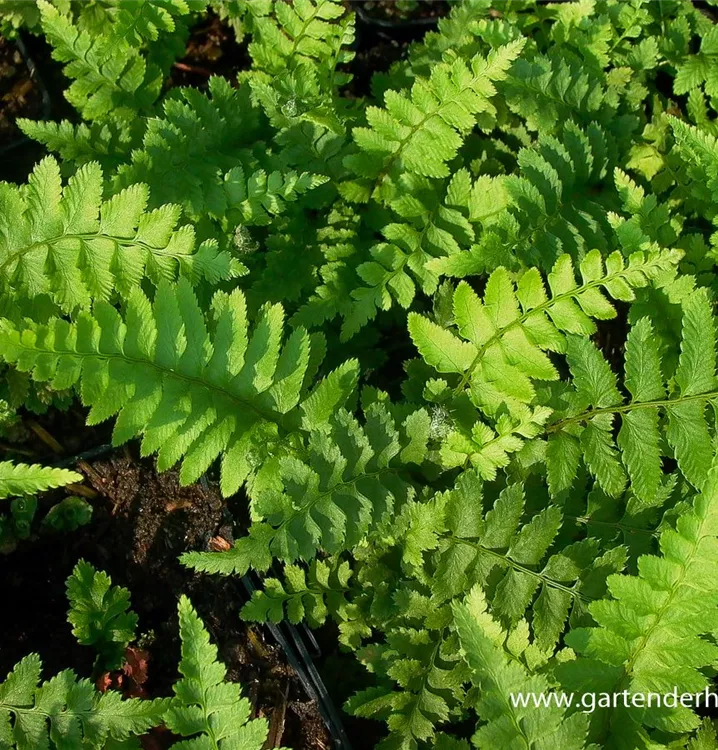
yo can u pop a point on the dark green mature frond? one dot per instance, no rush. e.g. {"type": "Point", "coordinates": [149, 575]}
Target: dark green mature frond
{"type": "Point", "coordinates": [500, 677]}
{"type": "Point", "coordinates": [188, 148]}
{"type": "Point", "coordinates": [662, 408]}
{"type": "Point", "coordinates": [650, 632]}
{"type": "Point", "coordinates": [454, 545]}
{"type": "Point", "coordinates": [310, 595]}
{"type": "Point", "coordinates": [503, 338]}
{"type": "Point", "coordinates": [206, 707]}
{"type": "Point", "coordinates": [108, 143]}
{"type": "Point", "coordinates": [24, 479]}
{"type": "Point", "coordinates": [66, 712]}
{"type": "Point", "coordinates": [66, 242]}
{"type": "Point", "coordinates": [554, 206]}
{"type": "Point", "coordinates": [99, 614]}
{"type": "Point", "coordinates": [193, 386]}
{"type": "Point", "coordinates": [350, 483]}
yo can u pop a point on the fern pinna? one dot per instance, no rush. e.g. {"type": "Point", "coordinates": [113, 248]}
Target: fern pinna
{"type": "Point", "coordinates": [449, 335]}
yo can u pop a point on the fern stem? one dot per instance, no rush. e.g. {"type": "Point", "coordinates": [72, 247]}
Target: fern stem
{"type": "Point", "coordinates": [591, 413]}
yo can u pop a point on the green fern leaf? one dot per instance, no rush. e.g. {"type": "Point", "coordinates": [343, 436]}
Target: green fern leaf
{"type": "Point", "coordinates": [99, 614]}
{"type": "Point", "coordinates": [190, 393]}
{"type": "Point", "coordinates": [67, 712]}
{"type": "Point", "coordinates": [24, 479]}
{"type": "Point", "coordinates": [71, 245]}
{"type": "Point", "coordinates": [206, 707]}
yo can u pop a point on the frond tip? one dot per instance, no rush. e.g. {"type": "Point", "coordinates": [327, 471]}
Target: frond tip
{"type": "Point", "coordinates": [24, 479]}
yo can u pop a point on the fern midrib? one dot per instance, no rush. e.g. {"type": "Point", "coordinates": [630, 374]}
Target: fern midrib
{"type": "Point", "coordinates": [192, 380]}
{"type": "Point", "coordinates": [88, 237]}
{"type": "Point", "coordinates": [518, 566]}
{"type": "Point", "coordinates": [623, 409]}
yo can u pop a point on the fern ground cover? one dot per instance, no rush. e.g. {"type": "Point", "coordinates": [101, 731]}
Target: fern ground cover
{"type": "Point", "coordinates": [413, 344]}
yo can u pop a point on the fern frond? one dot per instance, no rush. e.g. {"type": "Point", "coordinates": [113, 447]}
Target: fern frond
{"type": "Point", "coordinates": [99, 614]}
{"type": "Point", "coordinates": [351, 482]}
{"type": "Point", "coordinates": [504, 337]}
{"type": "Point", "coordinates": [586, 426]}
{"type": "Point", "coordinates": [555, 206]}
{"type": "Point", "coordinates": [110, 75]}
{"type": "Point", "coordinates": [499, 677]}
{"type": "Point", "coordinates": [68, 243]}
{"type": "Point", "coordinates": [257, 199]}
{"type": "Point", "coordinates": [420, 131]}
{"type": "Point", "coordinates": [206, 707]}
{"type": "Point", "coordinates": [141, 22]}
{"type": "Point", "coordinates": [310, 595]}
{"type": "Point", "coordinates": [67, 712]}
{"type": "Point", "coordinates": [189, 392]}
{"type": "Point", "coordinates": [649, 636]}
{"type": "Point", "coordinates": [452, 545]}
{"type": "Point", "coordinates": [108, 143]}
{"type": "Point", "coordinates": [546, 92]}
{"type": "Point", "coordinates": [187, 150]}
{"type": "Point", "coordinates": [24, 479]}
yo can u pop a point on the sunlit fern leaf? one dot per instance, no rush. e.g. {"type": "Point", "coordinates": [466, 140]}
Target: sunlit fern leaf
{"type": "Point", "coordinates": [68, 243]}
{"type": "Point", "coordinates": [194, 387]}
{"type": "Point", "coordinates": [421, 130]}
{"type": "Point", "coordinates": [24, 479]}
{"type": "Point", "coordinates": [658, 407]}
{"type": "Point", "coordinates": [503, 338]}
{"type": "Point", "coordinates": [67, 712]}
{"type": "Point", "coordinates": [351, 481]}
{"type": "Point", "coordinates": [206, 707]}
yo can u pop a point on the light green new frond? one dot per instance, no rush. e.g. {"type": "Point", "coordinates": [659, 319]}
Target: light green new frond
{"type": "Point", "coordinates": [70, 244]}
{"type": "Point", "coordinates": [110, 76]}
{"type": "Point", "coordinates": [350, 483]}
{"type": "Point", "coordinates": [421, 130]}
{"type": "Point", "coordinates": [99, 614]}
{"type": "Point", "coordinates": [501, 680]}
{"type": "Point", "coordinates": [66, 712]}
{"type": "Point", "coordinates": [503, 338]}
{"type": "Point", "coordinates": [657, 409]}
{"type": "Point", "coordinates": [310, 595]}
{"type": "Point", "coordinates": [206, 707]}
{"type": "Point", "coordinates": [649, 636]}
{"type": "Point", "coordinates": [699, 70]}
{"type": "Point", "coordinates": [194, 387]}
{"type": "Point", "coordinates": [305, 31]}
{"type": "Point", "coordinates": [24, 479]}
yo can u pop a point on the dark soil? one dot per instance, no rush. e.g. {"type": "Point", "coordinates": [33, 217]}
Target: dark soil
{"type": "Point", "coordinates": [142, 522]}
{"type": "Point", "coordinates": [20, 93]}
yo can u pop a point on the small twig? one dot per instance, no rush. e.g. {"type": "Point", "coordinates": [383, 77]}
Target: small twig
{"type": "Point", "coordinates": [81, 489]}
{"type": "Point", "coordinates": [45, 436]}
{"type": "Point", "coordinates": [193, 69]}
{"type": "Point", "coordinates": [12, 449]}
